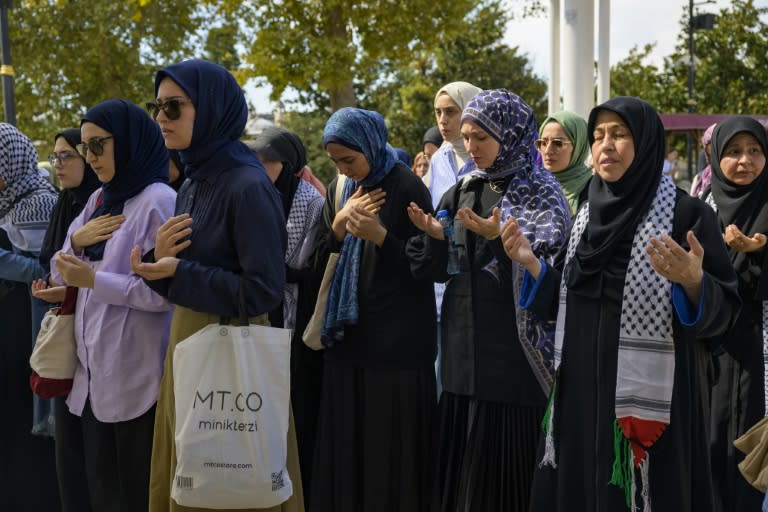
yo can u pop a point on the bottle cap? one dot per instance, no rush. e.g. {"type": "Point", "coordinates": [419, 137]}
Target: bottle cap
{"type": "Point", "coordinates": [442, 213]}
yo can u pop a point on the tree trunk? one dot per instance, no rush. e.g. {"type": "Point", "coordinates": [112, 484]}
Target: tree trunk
{"type": "Point", "coordinates": [341, 91]}
{"type": "Point", "coordinates": [343, 96]}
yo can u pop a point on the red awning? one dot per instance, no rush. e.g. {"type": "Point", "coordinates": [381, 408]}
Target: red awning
{"type": "Point", "coordinates": [685, 122]}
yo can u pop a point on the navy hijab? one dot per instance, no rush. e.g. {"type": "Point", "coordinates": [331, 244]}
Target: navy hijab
{"type": "Point", "coordinates": [220, 116]}
{"type": "Point", "coordinates": [140, 157]}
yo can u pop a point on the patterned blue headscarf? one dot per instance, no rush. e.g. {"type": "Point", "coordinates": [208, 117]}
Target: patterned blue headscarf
{"type": "Point", "coordinates": [140, 157]}
{"type": "Point", "coordinates": [363, 131]}
{"type": "Point", "coordinates": [220, 116]}
{"type": "Point", "coordinates": [509, 120]}
{"type": "Point", "coordinates": [533, 197]}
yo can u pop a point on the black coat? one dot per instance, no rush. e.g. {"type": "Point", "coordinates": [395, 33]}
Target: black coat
{"type": "Point", "coordinates": [738, 400]}
{"type": "Point", "coordinates": [481, 354]}
{"type": "Point", "coordinates": [396, 328]}
{"type": "Point", "coordinates": [680, 476]}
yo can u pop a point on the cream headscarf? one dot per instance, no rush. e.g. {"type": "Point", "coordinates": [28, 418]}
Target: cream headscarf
{"type": "Point", "coordinates": [460, 93]}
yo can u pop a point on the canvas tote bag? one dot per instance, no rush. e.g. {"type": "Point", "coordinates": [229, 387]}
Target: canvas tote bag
{"type": "Point", "coordinates": [232, 389]}
{"type": "Point", "coordinates": [54, 357]}
{"type": "Point", "coordinates": [311, 335]}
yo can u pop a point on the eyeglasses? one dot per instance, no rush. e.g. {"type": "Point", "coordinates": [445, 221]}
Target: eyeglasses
{"type": "Point", "coordinates": [62, 157]}
{"type": "Point", "coordinates": [95, 146]}
{"type": "Point", "coordinates": [556, 143]}
{"type": "Point", "coordinates": [171, 107]}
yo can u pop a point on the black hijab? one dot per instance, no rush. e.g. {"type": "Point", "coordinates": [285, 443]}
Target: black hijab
{"type": "Point", "coordinates": [746, 206]}
{"type": "Point", "coordinates": [69, 205]}
{"type": "Point", "coordinates": [616, 208]}
{"type": "Point", "coordinates": [281, 145]}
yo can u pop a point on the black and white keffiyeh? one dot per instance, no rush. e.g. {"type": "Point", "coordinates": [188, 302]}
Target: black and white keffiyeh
{"type": "Point", "coordinates": [303, 219]}
{"type": "Point", "coordinates": [646, 355]}
{"type": "Point", "coordinates": [27, 198]}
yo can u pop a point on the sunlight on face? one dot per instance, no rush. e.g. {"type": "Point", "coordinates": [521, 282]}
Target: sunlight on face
{"type": "Point", "coordinates": [614, 147]}
{"type": "Point", "coordinates": [448, 116]}
{"type": "Point", "coordinates": [555, 159]}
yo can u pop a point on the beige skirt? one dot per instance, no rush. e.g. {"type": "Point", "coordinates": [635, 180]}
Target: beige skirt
{"type": "Point", "coordinates": [185, 323]}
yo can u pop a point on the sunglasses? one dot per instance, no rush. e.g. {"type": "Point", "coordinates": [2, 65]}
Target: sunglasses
{"type": "Point", "coordinates": [171, 107]}
{"type": "Point", "coordinates": [556, 143]}
{"type": "Point", "coordinates": [95, 146]}
{"type": "Point", "coordinates": [62, 157]}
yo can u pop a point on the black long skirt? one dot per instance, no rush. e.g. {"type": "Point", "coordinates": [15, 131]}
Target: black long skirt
{"type": "Point", "coordinates": [485, 455]}
{"type": "Point", "coordinates": [27, 462]}
{"type": "Point", "coordinates": [373, 440]}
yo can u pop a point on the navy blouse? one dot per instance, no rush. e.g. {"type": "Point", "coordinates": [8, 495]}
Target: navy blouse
{"type": "Point", "coordinates": [238, 229]}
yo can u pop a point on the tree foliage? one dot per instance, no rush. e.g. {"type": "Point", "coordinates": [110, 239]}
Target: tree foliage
{"type": "Point", "coordinates": [404, 91]}
{"type": "Point", "coordinates": [477, 55]}
{"type": "Point", "coordinates": [309, 126]}
{"type": "Point", "coordinates": [70, 55]}
{"type": "Point", "coordinates": [732, 70]}
{"type": "Point", "coordinates": [730, 73]}
{"type": "Point", "coordinates": [321, 48]}
{"type": "Point", "coordinates": [388, 56]}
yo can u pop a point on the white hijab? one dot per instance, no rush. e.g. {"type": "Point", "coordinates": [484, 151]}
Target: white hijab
{"type": "Point", "coordinates": [460, 93]}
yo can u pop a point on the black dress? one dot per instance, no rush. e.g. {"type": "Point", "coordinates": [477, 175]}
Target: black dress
{"type": "Point", "coordinates": [738, 400]}
{"type": "Point", "coordinates": [378, 394]}
{"type": "Point", "coordinates": [680, 476]}
{"type": "Point", "coordinates": [27, 462]}
{"type": "Point", "coordinates": [492, 404]}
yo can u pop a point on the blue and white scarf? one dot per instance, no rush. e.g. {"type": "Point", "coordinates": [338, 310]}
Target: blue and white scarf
{"type": "Point", "coordinates": [363, 131]}
{"type": "Point", "coordinates": [533, 198]}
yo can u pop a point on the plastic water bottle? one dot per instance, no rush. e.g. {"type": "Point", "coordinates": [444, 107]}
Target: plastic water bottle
{"type": "Point", "coordinates": [453, 252]}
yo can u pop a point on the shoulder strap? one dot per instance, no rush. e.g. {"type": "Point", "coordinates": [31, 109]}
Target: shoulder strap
{"type": "Point", "coordinates": [339, 191]}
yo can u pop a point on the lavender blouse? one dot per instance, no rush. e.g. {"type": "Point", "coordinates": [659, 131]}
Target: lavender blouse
{"type": "Point", "coordinates": [121, 326]}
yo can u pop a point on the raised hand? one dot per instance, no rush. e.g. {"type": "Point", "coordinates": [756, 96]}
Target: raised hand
{"type": "Point", "coordinates": [75, 271]}
{"type": "Point", "coordinates": [678, 265]}
{"type": "Point", "coordinates": [95, 231]}
{"type": "Point", "coordinates": [489, 228]}
{"type": "Point", "coordinates": [52, 294]}
{"type": "Point", "coordinates": [160, 269]}
{"type": "Point", "coordinates": [370, 201]}
{"type": "Point", "coordinates": [168, 236]}
{"type": "Point", "coordinates": [365, 225]}
{"type": "Point", "coordinates": [740, 242]}
{"type": "Point", "coordinates": [518, 249]}
{"type": "Point", "coordinates": [425, 221]}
